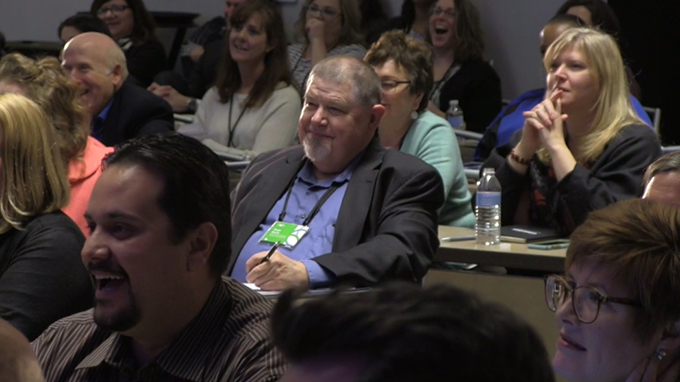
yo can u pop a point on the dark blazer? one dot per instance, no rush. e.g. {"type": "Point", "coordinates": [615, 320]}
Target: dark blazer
{"type": "Point", "coordinates": [145, 60]}
{"type": "Point", "coordinates": [135, 112]}
{"type": "Point", "coordinates": [387, 224]}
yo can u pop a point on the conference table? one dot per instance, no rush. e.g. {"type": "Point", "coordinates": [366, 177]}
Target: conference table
{"type": "Point", "coordinates": [508, 255]}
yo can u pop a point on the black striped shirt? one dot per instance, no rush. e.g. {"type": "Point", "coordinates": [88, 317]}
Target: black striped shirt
{"type": "Point", "coordinates": [229, 340]}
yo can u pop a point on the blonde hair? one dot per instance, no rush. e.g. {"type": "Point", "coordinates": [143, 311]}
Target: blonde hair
{"type": "Point", "coordinates": [613, 110]}
{"type": "Point", "coordinates": [32, 179]}
{"type": "Point", "coordinates": [46, 84]}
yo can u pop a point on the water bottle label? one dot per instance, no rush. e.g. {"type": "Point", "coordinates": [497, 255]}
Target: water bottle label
{"type": "Point", "coordinates": [488, 199]}
{"type": "Point", "coordinates": [455, 121]}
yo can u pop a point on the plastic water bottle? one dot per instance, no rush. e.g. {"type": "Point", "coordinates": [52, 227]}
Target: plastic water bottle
{"type": "Point", "coordinates": [455, 115]}
{"type": "Point", "coordinates": [488, 209]}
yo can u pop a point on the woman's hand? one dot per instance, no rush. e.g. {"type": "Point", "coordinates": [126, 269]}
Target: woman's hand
{"type": "Point", "coordinates": [543, 125]}
{"type": "Point", "coordinates": [315, 29]}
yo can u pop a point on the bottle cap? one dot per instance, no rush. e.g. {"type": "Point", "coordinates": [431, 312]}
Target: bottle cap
{"type": "Point", "coordinates": [489, 170]}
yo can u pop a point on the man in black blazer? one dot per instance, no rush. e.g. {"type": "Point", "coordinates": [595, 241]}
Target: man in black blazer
{"type": "Point", "coordinates": [119, 109]}
{"type": "Point", "coordinates": [379, 221]}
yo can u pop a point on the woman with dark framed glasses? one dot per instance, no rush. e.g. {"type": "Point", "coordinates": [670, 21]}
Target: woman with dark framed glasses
{"type": "Point", "coordinates": [324, 28]}
{"type": "Point", "coordinates": [618, 307]}
{"type": "Point", "coordinates": [404, 66]}
{"type": "Point", "coordinates": [132, 27]}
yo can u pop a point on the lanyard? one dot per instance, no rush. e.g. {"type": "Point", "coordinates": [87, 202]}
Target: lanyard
{"type": "Point", "coordinates": [232, 129]}
{"type": "Point", "coordinates": [316, 208]}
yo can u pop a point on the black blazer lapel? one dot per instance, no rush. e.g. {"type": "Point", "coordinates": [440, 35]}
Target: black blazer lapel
{"type": "Point", "coordinates": [358, 197]}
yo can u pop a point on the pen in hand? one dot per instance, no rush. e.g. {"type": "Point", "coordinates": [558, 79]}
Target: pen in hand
{"type": "Point", "coordinates": [270, 253]}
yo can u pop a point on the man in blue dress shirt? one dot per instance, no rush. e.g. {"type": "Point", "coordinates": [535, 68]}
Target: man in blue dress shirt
{"type": "Point", "coordinates": [341, 208]}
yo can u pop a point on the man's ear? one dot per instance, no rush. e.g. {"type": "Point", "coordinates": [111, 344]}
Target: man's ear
{"type": "Point", "coordinates": [202, 242]}
{"type": "Point", "coordinates": [377, 113]}
{"type": "Point", "coordinates": [117, 76]}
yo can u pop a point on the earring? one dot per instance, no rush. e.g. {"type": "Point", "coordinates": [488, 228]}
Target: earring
{"type": "Point", "coordinates": [414, 115]}
{"type": "Point", "coordinates": [659, 354]}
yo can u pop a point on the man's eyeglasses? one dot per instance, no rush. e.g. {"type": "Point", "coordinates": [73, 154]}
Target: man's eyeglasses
{"type": "Point", "coordinates": [585, 300]}
{"type": "Point", "coordinates": [116, 9]}
{"type": "Point", "coordinates": [326, 12]}
{"type": "Point", "coordinates": [450, 13]}
{"type": "Point", "coordinates": [390, 85]}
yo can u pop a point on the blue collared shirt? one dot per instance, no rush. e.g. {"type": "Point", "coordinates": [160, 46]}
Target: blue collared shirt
{"type": "Point", "coordinates": [98, 122]}
{"type": "Point", "coordinates": [307, 191]}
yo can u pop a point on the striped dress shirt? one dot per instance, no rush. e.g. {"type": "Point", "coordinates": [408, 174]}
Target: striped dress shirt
{"type": "Point", "coordinates": [229, 340]}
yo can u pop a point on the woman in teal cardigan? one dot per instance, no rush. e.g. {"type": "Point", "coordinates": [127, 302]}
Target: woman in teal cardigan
{"type": "Point", "coordinates": [404, 65]}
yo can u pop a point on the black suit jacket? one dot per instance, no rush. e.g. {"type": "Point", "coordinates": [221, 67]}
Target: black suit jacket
{"type": "Point", "coordinates": [135, 112]}
{"type": "Point", "coordinates": [387, 224]}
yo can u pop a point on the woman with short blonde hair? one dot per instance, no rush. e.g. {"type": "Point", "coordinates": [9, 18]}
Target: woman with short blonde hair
{"type": "Point", "coordinates": [42, 278]}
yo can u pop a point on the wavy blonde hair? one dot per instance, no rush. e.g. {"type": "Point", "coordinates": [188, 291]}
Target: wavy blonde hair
{"type": "Point", "coordinates": [45, 83]}
{"type": "Point", "coordinates": [32, 178]}
{"type": "Point", "coordinates": [613, 110]}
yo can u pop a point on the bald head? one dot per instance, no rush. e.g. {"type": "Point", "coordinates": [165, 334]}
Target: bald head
{"type": "Point", "coordinates": [97, 65]}
{"type": "Point", "coordinates": [17, 361]}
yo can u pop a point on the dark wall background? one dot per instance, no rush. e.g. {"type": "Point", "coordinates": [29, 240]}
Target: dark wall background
{"type": "Point", "coordinates": [651, 43]}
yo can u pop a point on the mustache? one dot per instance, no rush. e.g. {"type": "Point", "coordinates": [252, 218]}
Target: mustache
{"type": "Point", "coordinates": [108, 266]}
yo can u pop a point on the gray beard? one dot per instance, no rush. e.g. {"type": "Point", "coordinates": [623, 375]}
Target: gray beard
{"type": "Point", "coordinates": [316, 149]}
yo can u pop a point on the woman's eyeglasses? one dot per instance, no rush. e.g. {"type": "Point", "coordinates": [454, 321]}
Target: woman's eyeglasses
{"type": "Point", "coordinates": [326, 12]}
{"type": "Point", "coordinates": [450, 13]}
{"type": "Point", "coordinates": [390, 85]}
{"type": "Point", "coordinates": [115, 9]}
{"type": "Point", "coordinates": [585, 300]}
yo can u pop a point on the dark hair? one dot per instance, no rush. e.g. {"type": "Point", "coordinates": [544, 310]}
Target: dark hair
{"type": "Point", "coordinates": [469, 43]}
{"type": "Point", "coordinates": [414, 55]}
{"type": "Point", "coordinates": [406, 333]}
{"type": "Point", "coordinates": [196, 186]}
{"type": "Point", "coordinates": [667, 163]}
{"type": "Point", "coordinates": [567, 19]}
{"type": "Point", "coordinates": [408, 12]}
{"type": "Point", "coordinates": [371, 12]}
{"type": "Point", "coordinates": [84, 22]}
{"type": "Point", "coordinates": [602, 16]}
{"type": "Point", "coordinates": [144, 24]}
{"type": "Point", "coordinates": [276, 69]}
{"type": "Point", "coordinates": [2, 41]}
{"type": "Point", "coordinates": [636, 241]}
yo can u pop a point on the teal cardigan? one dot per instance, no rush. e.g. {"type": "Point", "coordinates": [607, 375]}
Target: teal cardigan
{"type": "Point", "coordinates": [431, 139]}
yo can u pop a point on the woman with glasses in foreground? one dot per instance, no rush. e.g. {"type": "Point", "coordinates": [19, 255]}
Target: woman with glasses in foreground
{"type": "Point", "coordinates": [132, 27]}
{"type": "Point", "coordinates": [618, 307]}
{"type": "Point", "coordinates": [404, 65]}
{"type": "Point", "coordinates": [324, 28]}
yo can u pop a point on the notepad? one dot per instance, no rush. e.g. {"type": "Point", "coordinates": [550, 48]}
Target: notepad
{"type": "Point", "coordinates": [527, 234]}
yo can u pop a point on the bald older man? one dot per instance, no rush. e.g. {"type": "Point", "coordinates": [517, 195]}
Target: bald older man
{"type": "Point", "coordinates": [119, 109]}
{"type": "Point", "coordinates": [17, 361]}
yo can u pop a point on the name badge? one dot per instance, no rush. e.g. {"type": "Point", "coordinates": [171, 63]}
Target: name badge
{"type": "Point", "coordinates": [287, 234]}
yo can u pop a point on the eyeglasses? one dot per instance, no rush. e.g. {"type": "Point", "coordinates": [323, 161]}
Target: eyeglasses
{"type": "Point", "coordinates": [450, 13]}
{"type": "Point", "coordinates": [585, 300]}
{"type": "Point", "coordinates": [115, 9]}
{"type": "Point", "coordinates": [390, 85]}
{"type": "Point", "coordinates": [326, 12]}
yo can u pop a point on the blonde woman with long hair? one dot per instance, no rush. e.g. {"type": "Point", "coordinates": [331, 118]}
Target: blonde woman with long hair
{"type": "Point", "coordinates": [583, 147]}
{"type": "Point", "coordinates": [42, 278]}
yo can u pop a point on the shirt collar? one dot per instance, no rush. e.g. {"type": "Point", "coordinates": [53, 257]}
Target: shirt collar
{"type": "Point", "coordinates": [188, 353]}
{"type": "Point", "coordinates": [105, 112]}
{"type": "Point", "coordinates": [306, 173]}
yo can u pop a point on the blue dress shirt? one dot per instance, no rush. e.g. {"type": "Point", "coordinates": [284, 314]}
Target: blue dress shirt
{"type": "Point", "coordinates": [97, 125]}
{"type": "Point", "coordinates": [306, 192]}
